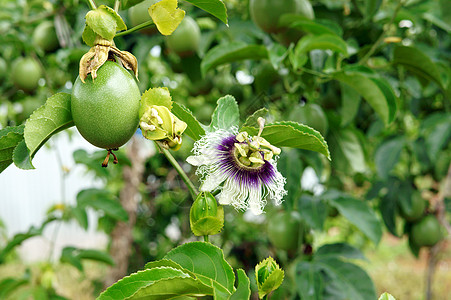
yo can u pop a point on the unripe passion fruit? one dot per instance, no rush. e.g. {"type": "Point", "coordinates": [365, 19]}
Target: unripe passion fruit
{"type": "Point", "coordinates": [415, 210]}
{"type": "Point", "coordinates": [139, 14]}
{"type": "Point", "coordinates": [26, 73]}
{"type": "Point", "coordinates": [426, 232]}
{"type": "Point", "coordinates": [285, 230]}
{"type": "Point", "coordinates": [105, 111]}
{"type": "Point", "coordinates": [44, 36]}
{"type": "Point", "coordinates": [185, 39]}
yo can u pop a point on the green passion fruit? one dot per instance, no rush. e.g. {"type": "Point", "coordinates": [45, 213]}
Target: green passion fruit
{"type": "Point", "coordinates": [185, 39]}
{"type": "Point", "coordinates": [414, 210]}
{"type": "Point", "coordinates": [427, 232]}
{"type": "Point", "coordinates": [139, 14]}
{"type": "Point", "coordinates": [105, 110]}
{"type": "Point", "coordinates": [26, 73]}
{"type": "Point", "coordinates": [285, 230]}
{"type": "Point", "coordinates": [44, 37]}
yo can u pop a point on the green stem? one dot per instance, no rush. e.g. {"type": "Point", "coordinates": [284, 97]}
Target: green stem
{"type": "Point", "coordinates": [206, 238]}
{"type": "Point", "coordinates": [138, 27]}
{"type": "Point", "coordinates": [116, 5]}
{"type": "Point", "coordinates": [380, 40]}
{"type": "Point", "coordinates": [92, 4]}
{"type": "Point", "coordinates": [178, 168]}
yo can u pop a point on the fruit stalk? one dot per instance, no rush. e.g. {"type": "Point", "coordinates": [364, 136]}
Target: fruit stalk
{"type": "Point", "coordinates": [136, 28]}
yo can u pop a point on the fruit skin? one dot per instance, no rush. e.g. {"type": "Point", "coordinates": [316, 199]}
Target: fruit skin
{"type": "Point", "coordinates": [416, 209]}
{"type": "Point", "coordinates": [311, 115]}
{"type": "Point", "coordinates": [45, 38]}
{"type": "Point", "coordinates": [426, 232]}
{"type": "Point", "coordinates": [3, 68]}
{"type": "Point", "coordinates": [105, 111]}
{"type": "Point", "coordinates": [139, 14]}
{"type": "Point", "coordinates": [285, 230]}
{"type": "Point", "coordinates": [185, 39]}
{"type": "Point", "coordinates": [26, 73]}
{"type": "Point", "coordinates": [266, 13]}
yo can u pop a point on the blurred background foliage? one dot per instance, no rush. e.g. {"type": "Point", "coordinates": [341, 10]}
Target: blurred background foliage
{"type": "Point", "coordinates": [372, 76]}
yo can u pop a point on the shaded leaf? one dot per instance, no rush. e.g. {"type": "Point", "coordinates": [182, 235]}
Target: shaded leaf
{"type": "Point", "coordinates": [10, 137]}
{"type": "Point", "coordinates": [194, 129]}
{"type": "Point", "coordinates": [309, 281]}
{"type": "Point", "coordinates": [313, 210]}
{"type": "Point", "coordinates": [350, 102]}
{"type": "Point", "coordinates": [324, 42]}
{"type": "Point", "coordinates": [342, 250]}
{"type": "Point", "coordinates": [104, 201]}
{"type": "Point", "coordinates": [216, 8]}
{"type": "Point", "coordinates": [347, 152]}
{"type": "Point", "coordinates": [387, 155]}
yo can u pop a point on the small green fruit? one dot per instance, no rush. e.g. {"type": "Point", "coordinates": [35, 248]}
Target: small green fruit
{"type": "Point", "coordinates": [105, 111]}
{"type": "Point", "coordinates": [285, 230]}
{"type": "Point", "coordinates": [45, 38]}
{"type": "Point", "coordinates": [427, 232]}
{"type": "Point", "coordinates": [185, 39]}
{"type": "Point", "coordinates": [26, 73]}
{"type": "Point", "coordinates": [415, 210]}
{"type": "Point", "coordinates": [139, 14]}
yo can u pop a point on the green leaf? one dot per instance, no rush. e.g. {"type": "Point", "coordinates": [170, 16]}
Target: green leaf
{"type": "Point", "coordinates": [313, 211]}
{"type": "Point", "coordinates": [194, 129]}
{"type": "Point", "coordinates": [18, 239]}
{"type": "Point", "coordinates": [290, 165]}
{"type": "Point", "coordinates": [347, 152]}
{"type": "Point", "coordinates": [105, 22]}
{"type": "Point", "coordinates": [418, 63]}
{"type": "Point", "coordinates": [324, 42]}
{"type": "Point", "coordinates": [307, 25]}
{"type": "Point", "coordinates": [371, 8]}
{"type": "Point", "coordinates": [10, 137]}
{"type": "Point", "coordinates": [351, 280]}
{"type": "Point", "coordinates": [54, 116]}
{"type": "Point", "coordinates": [96, 255]}
{"type": "Point", "coordinates": [243, 290]}
{"type": "Point", "coordinates": [294, 135]}
{"type": "Point", "coordinates": [342, 250]}
{"type": "Point", "coordinates": [79, 214]}
{"type": "Point", "coordinates": [68, 256]}
{"type": "Point", "coordinates": [216, 8]}
{"type": "Point", "coordinates": [125, 4]}
{"type": "Point", "coordinates": [387, 155]}
{"type": "Point", "coordinates": [89, 36]}
{"type": "Point", "coordinates": [437, 131]}
{"type": "Point", "coordinates": [9, 285]}
{"type": "Point", "coordinates": [252, 119]}
{"type": "Point", "coordinates": [166, 16]}
{"type": "Point", "coordinates": [204, 259]}
{"type": "Point", "coordinates": [226, 114]}
{"type": "Point", "coordinates": [350, 102]}
{"type": "Point", "coordinates": [360, 214]}
{"type": "Point", "coordinates": [232, 52]}
{"type": "Point", "coordinates": [22, 156]}
{"type": "Point", "coordinates": [386, 296]}
{"type": "Point", "coordinates": [375, 91]}
{"type": "Point", "coordinates": [309, 281]}
{"type": "Point", "coordinates": [104, 201]}
{"type": "Point", "coordinates": [130, 285]}
{"type": "Point", "coordinates": [159, 96]}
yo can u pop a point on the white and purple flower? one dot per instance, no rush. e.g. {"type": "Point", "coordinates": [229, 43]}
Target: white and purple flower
{"type": "Point", "coordinates": [245, 165]}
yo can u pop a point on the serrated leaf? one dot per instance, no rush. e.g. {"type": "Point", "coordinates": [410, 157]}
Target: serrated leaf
{"type": "Point", "coordinates": [232, 52]}
{"type": "Point", "coordinates": [104, 201]}
{"type": "Point", "coordinates": [204, 259]}
{"type": "Point", "coordinates": [155, 96]}
{"type": "Point", "coordinates": [216, 8]}
{"type": "Point", "coordinates": [417, 62]}
{"type": "Point", "coordinates": [387, 155]}
{"type": "Point", "coordinates": [54, 116]}
{"type": "Point", "coordinates": [324, 42]}
{"type": "Point", "coordinates": [252, 119]}
{"type": "Point", "coordinates": [272, 282]}
{"type": "Point", "coordinates": [226, 114]}
{"type": "Point", "coordinates": [10, 137]}
{"type": "Point", "coordinates": [294, 135]}
{"type": "Point", "coordinates": [104, 21]}
{"type": "Point", "coordinates": [128, 286]}
{"type": "Point", "coordinates": [351, 280]}
{"type": "Point", "coordinates": [243, 290]}
{"type": "Point", "coordinates": [194, 129]}
{"type": "Point", "coordinates": [375, 91]}
{"type": "Point", "coordinates": [166, 16]}
{"type": "Point", "coordinates": [360, 214]}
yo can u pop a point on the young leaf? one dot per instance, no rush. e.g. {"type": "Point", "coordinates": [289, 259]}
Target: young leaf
{"type": "Point", "coordinates": [294, 135]}
{"type": "Point", "coordinates": [104, 21]}
{"type": "Point", "coordinates": [234, 51]}
{"type": "Point", "coordinates": [54, 116]}
{"type": "Point", "coordinates": [251, 121]}
{"type": "Point", "coordinates": [194, 129]}
{"type": "Point", "coordinates": [204, 259]}
{"type": "Point", "coordinates": [166, 16]}
{"type": "Point", "coordinates": [216, 8]}
{"type": "Point", "coordinates": [226, 114]}
{"type": "Point", "coordinates": [10, 137]}
{"type": "Point", "coordinates": [243, 290]}
{"type": "Point", "coordinates": [360, 214]}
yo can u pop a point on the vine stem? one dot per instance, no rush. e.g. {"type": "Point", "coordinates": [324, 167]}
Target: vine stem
{"type": "Point", "coordinates": [206, 238]}
{"type": "Point", "coordinates": [138, 27]}
{"type": "Point", "coordinates": [92, 4]}
{"type": "Point", "coordinates": [192, 189]}
{"type": "Point", "coordinates": [380, 40]}
{"type": "Point", "coordinates": [116, 5]}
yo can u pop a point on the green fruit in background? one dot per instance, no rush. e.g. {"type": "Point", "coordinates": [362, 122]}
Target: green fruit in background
{"type": "Point", "coordinates": [45, 38]}
{"type": "Point", "coordinates": [311, 115]}
{"type": "Point", "coordinates": [139, 14]}
{"type": "Point", "coordinates": [105, 111]}
{"type": "Point", "coordinates": [185, 39]}
{"type": "Point", "coordinates": [3, 67]}
{"type": "Point", "coordinates": [427, 232]}
{"type": "Point", "coordinates": [266, 13]}
{"type": "Point", "coordinates": [415, 210]}
{"type": "Point", "coordinates": [285, 230]}
{"type": "Point", "coordinates": [26, 73]}
{"type": "Point", "coordinates": [264, 76]}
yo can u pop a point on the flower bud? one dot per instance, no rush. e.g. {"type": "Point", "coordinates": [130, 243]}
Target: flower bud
{"type": "Point", "coordinates": [206, 218]}
{"type": "Point", "coordinates": [269, 276]}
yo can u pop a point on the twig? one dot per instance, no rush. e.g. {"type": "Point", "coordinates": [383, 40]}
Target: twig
{"type": "Point", "coordinates": [136, 28]}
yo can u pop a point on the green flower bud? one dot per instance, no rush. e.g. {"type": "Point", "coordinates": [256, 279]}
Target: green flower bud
{"type": "Point", "coordinates": [206, 218]}
{"type": "Point", "coordinates": [269, 276]}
